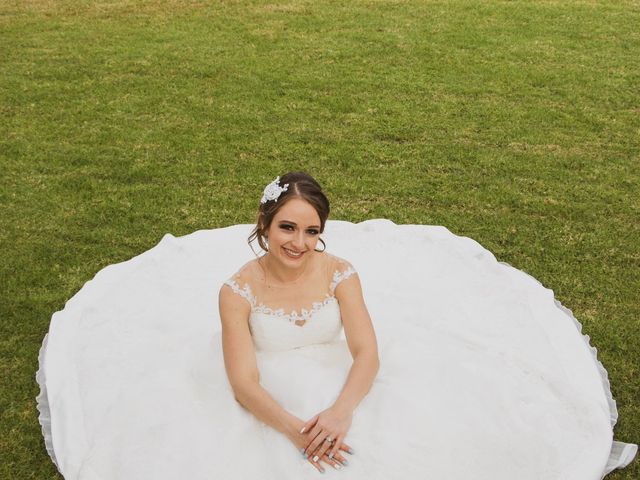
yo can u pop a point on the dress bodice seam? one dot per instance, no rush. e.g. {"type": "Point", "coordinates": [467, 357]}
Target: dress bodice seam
{"type": "Point", "coordinates": [305, 314]}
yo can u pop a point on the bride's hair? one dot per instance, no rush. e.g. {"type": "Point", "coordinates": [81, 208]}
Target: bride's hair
{"type": "Point", "coordinates": [301, 185]}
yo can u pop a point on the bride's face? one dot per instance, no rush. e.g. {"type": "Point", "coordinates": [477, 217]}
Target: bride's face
{"type": "Point", "coordinates": [294, 232]}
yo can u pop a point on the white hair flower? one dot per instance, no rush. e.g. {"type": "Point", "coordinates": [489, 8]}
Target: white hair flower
{"type": "Point", "coordinates": [273, 191]}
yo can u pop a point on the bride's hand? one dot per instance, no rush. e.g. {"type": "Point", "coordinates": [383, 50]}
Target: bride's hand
{"type": "Point", "coordinates": [330, 424]}
{"type": "Point", "coordinates": [302, 439]}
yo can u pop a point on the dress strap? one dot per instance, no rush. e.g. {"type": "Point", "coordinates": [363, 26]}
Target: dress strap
{"type": "Point", "coordinates": [244, 291]}
{"type": "Point", "coordinates": [342, 273]}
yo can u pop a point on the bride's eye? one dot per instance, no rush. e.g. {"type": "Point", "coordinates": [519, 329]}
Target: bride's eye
{"type": "Point", "coordinates": [312, 231]}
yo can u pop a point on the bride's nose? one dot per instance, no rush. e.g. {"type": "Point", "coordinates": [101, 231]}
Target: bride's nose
{"type": "Point", "coordinates": [298, 240]}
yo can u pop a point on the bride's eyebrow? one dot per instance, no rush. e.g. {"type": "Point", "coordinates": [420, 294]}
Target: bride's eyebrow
{"type": "Point", "coordinates": [294, 223]}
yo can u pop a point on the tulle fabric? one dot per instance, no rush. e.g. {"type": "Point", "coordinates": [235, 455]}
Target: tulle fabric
{"type": "Point", "coordinates": [483, 373]}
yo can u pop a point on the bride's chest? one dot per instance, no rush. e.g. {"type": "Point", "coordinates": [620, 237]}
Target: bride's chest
{"type": "Point", "coordinates": [286, 317]}
{"type": "Point", "coordinates": [277, 329]}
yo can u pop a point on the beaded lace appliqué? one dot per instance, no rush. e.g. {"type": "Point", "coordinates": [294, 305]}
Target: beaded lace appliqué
{"type": "Point", "coordinates": [340, 276]}
{"type": "Point", "coordinates": [305, 314]}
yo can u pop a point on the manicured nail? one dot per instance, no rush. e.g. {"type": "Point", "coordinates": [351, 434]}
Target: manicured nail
{"type": "Point", "coordinates": [315, 458]}
{"type": "Point", "coordinates": [351, 451]}
{"type": "Point", "coordinates": [321, 470]}
{"type": "Point", "coordinates": [305, 455]}
{"type": "Point", "coordinates": [344, 462]}
{"type": "Point", "coordinates": [338, 466]}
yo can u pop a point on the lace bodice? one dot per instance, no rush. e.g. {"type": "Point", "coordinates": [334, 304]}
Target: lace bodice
{"type": "Point", "coordinates": [273, 328]}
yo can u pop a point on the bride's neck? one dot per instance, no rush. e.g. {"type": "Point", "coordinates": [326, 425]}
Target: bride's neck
{"type": "Point", "coordinates": [282, 274]}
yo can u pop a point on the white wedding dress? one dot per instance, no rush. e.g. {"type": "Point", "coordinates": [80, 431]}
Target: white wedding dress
{"type": "Point", "coordinates": [483, 375]}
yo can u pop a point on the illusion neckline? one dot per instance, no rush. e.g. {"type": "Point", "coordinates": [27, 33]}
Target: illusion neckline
{"type": "Point", "coordinates": [293, 316]}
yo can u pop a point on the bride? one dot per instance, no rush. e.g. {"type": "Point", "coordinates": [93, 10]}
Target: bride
{"type": "Point", "coordinates": [294, 273]}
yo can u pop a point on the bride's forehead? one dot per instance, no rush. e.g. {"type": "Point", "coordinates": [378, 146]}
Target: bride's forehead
{"type": "Point", "coordinates": [298, 211]}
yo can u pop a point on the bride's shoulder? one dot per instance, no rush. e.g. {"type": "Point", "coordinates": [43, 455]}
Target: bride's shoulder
{"type": "Point", "coordinates": [338, 265]}
{"type": "Point", "coordinates": [340, 270]}
{"type": "Point", "coordinates": [241, 282]}
{"type": "Point", "coordinates": [249, 271]}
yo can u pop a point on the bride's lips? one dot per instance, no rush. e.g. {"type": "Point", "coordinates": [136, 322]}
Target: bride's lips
{"type": "Point", "coordinates": [286, 252]}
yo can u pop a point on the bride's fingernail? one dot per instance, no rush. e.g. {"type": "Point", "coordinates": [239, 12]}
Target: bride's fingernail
{"type": "Point", "coordinates": [351, 451]}
{"type": "Point", "coordinates": [344, 462]}
{"type": "Point", "coordinates": [338, 466]}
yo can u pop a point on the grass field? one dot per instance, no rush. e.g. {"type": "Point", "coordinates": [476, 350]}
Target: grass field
{"type": "Point", "coordinates": [514, 123]}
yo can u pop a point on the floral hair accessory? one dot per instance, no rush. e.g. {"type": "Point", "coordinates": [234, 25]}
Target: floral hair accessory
{"type": "Point", "coordinates": [273, 191]}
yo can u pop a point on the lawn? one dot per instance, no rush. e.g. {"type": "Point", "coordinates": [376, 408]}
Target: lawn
{"type": "Point", "coordinates": [514, 123]}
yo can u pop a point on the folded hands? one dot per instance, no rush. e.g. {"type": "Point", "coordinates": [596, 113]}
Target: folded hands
{"type": "Point", "coordinates": [321, 438]}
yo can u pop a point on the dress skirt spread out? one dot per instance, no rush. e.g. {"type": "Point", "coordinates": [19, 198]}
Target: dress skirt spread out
{"type": "Point", "coordinates": [483, 374]}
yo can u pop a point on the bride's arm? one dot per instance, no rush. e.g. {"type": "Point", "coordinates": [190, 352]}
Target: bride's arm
{"type": "Point", "coordinates": [336, 420]}
{"type": "Point", "coordinates": [241, 366]}
{"type": "Point", "coordinates": [362, 342]}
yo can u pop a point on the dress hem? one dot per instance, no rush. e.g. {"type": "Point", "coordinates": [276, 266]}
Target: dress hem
{"type": "Point", "coordinates": [42, 403]}
{"type": "Point", "coordinates": [621, 453]}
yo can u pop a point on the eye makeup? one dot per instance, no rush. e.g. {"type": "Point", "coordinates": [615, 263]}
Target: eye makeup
{"type": "Point", "coordinates": [286, 226]}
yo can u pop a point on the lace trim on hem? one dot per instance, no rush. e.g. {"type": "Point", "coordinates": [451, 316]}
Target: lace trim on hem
{"type": "Point", "coordinates": [621, 453]}
{"type": "Point", "coordinates": [604, 376]}
{"type": "Point", "coordinates": [42, 404]}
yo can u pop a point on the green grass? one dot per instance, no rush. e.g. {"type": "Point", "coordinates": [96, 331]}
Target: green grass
{"type": "Point", "coordinates": [514, 123]}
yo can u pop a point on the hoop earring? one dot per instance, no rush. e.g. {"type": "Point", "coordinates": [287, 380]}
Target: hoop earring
{"type": "Point", "coordinates": [325, 246]}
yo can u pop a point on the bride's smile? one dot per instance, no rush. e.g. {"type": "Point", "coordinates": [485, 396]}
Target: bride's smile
{"type": "Point", "coordinates": [292, 253]}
